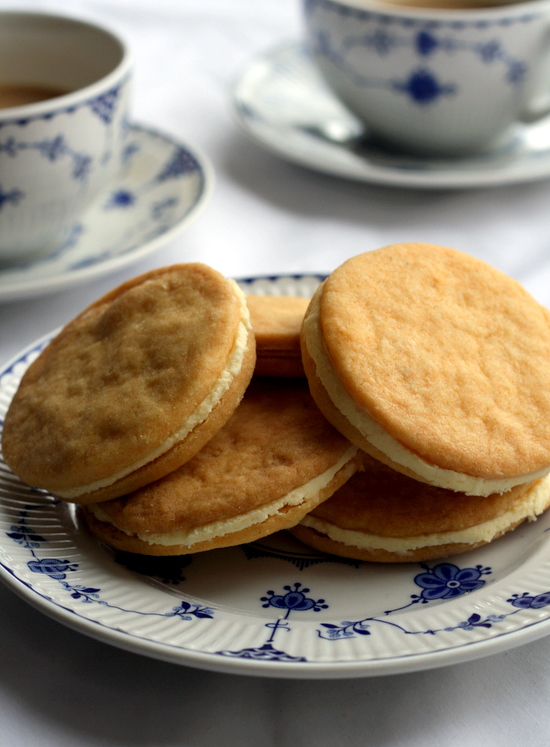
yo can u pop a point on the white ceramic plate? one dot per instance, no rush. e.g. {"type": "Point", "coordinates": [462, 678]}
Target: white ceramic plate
{"type": "Point", "coordinates": [281, 101]}
{"type": "Point", "coordinates": [164, 185]}
{"type": "Point", "coordinates": [274, 607]}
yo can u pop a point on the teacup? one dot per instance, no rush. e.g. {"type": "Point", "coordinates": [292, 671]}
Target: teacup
{"type": "Point", "coordinates": [434, 77]}
{"type": "Point", "coordinates": [64, 108]}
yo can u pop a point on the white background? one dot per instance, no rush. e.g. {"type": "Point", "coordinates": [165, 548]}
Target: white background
{"type": "Point", "coordinates": [266, 216]}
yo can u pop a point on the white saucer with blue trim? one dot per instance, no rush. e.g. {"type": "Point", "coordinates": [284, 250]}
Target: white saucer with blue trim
{"type": "Point", "coordinates": [274, 607]}
{"type": "Point", "coordinates": [164, 185]}
{"type": "Point", "coordinates": [281, 102]}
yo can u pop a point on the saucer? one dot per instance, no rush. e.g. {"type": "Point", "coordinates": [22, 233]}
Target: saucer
{"type": "Point", "coordinates": [164, 185]}
{"type": "Point", "coordinates": [282, 102]}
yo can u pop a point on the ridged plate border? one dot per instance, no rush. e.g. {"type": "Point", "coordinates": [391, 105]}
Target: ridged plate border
{"type": "Point", "coordinates": [273, 608]}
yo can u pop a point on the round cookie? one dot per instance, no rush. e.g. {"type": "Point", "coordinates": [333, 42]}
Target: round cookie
{"type": "Point", "coordinates": [132, 387]}
{"type": "Point", "coordinates": [276, 321]}
{"type": "Point", "coordinates": [275, 460]}
{"type": "Point", "coordinates": [436, 364]}
{"type": "Point", "coordinates": [383, 516]}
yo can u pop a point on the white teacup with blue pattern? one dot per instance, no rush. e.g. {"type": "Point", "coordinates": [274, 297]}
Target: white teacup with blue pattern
{"type": "Point", "coordinates": [57, 154]}
{"type": "Point", "coordinates": [435, 80]}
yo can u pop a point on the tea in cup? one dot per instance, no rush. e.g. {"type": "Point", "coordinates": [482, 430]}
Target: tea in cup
{"type": "Point", "coordinates": [432, 77]}
{"type": "Point", "coordinates": [64, 108]}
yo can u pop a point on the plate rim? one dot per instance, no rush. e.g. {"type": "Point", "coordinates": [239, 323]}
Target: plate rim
{"type": "Point", "coordinates": [360, 668]}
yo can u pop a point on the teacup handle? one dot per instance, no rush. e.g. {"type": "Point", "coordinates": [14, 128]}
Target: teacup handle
{"type": "Point", "coordinates": [539, 103]}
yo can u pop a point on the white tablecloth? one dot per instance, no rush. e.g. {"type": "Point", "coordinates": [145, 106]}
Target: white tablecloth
{"type": "Point", "coordinates": [58, 687]}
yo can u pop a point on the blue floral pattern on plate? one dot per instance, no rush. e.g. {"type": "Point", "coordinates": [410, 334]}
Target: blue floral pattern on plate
{"type": "Point", "coordinates": [164, 186]}
{"type": "Point", "coordinates": [271, 608]}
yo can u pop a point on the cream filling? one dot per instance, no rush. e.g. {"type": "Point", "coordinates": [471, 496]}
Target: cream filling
{"type": "Point", "coordinates": [381, 439]}
{"type": "Point", "coordinates": [234, 365]}
{"type": "Point", "coordinates": [532, 505]}
{"type": "Point", "coordinates": [190, 537]}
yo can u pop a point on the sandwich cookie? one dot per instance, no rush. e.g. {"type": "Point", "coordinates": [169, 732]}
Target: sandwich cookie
{"type": "Point", "coordinates": [383, 516]}
{"type": "Point", "coordinates": [436, 364]}
{"type": "Point", "coordinates": [133, 387]}
{"type": "Point", "coordinates": [273, 462]}
{"type": "Point", "coordinates": [276, 321]}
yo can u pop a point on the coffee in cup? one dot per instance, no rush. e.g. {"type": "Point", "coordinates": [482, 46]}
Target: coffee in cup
{"type": "Point", "coordinates": [19, 95]}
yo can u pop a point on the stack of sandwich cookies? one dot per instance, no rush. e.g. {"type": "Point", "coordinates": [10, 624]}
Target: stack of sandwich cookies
{"type": "Point", "coordinates": [436, 364]}
{"type": "Point", "coordinates": [274, 461]}
{"type": "Point", "coordinates": [277, 321]}
{"type": "Point", "coordinates": [381, 515]}
{"type": "Point", "coordinates": [422, 429]}
{"type": "Point", "coordinates": [133, 387]}
{"type": "Point", "coordinates": [438, 367]}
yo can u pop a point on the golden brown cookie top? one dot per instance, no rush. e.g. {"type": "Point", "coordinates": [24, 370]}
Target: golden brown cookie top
{"type": "Point", "coordinates": [276, 321]}
{"type": "Point", "coordinates": [276, 442]}
{"type": "Point", "coordinates": [448, 355]}
{"type": "Point", "coordinates": [123, 377]}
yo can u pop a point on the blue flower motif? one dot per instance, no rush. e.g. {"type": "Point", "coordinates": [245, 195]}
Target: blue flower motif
{"type": "Point", "coordinates": [424, 88]}
{"type": "Point", "coordinates": [529, 602]}
{"type": "Point", "coordinates": [490, 51]}
{"type": "Point", "coordinates": [159, 209]}
{"type": "Point", "coordinates": [81, 167]}
{"type": "Point", "coordinates": [181, 163]}
{"type": "Point", "coordinates": [23, 535]}
{"type": "Point", "coordinates": [474, 621]}
{"type": "Point", "coordinates": [426, 43]}
{"type": "Point", "coordinates": [447, 580]}
{"type": "Point", "coordinates": [105, 105]}
{"type": "Point", "coordinates": [129, 151]}
{"type": "Point", "coordinates": [84, 593]}
{"type": "Point", "coordinates": [346, 629]}
{"type": "Point", "coordinates": [13, 196]}
{"type": "Point", "coordinates": [185, 611]}
{"type": "Point", "coordinates": [293, 600]}
{"type": "Point", "coordinates": [381, 41]}
{"type": "Point", "coordinates": [9, 147]}
{"type": "Point", "coordinates": [52, 567]}
{"type": "Point", "coordinates": [122, 198]}
{"type": "Point", "coordinates": [267, 652]}
{"type": "Point", "coordinates": [516, 73]}
{"type": "Point", "coordinates": [53, 149]}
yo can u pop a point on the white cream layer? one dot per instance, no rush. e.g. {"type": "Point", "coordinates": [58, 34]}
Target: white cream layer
{"type": "Point", "coordinates": [381, 439]}
{"type": "Point", "coordinates": [234, 365]}
{"type": "Point", "coordinates": [533, 503]}
{"type": "Point", "coordinates": [296, 497]}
